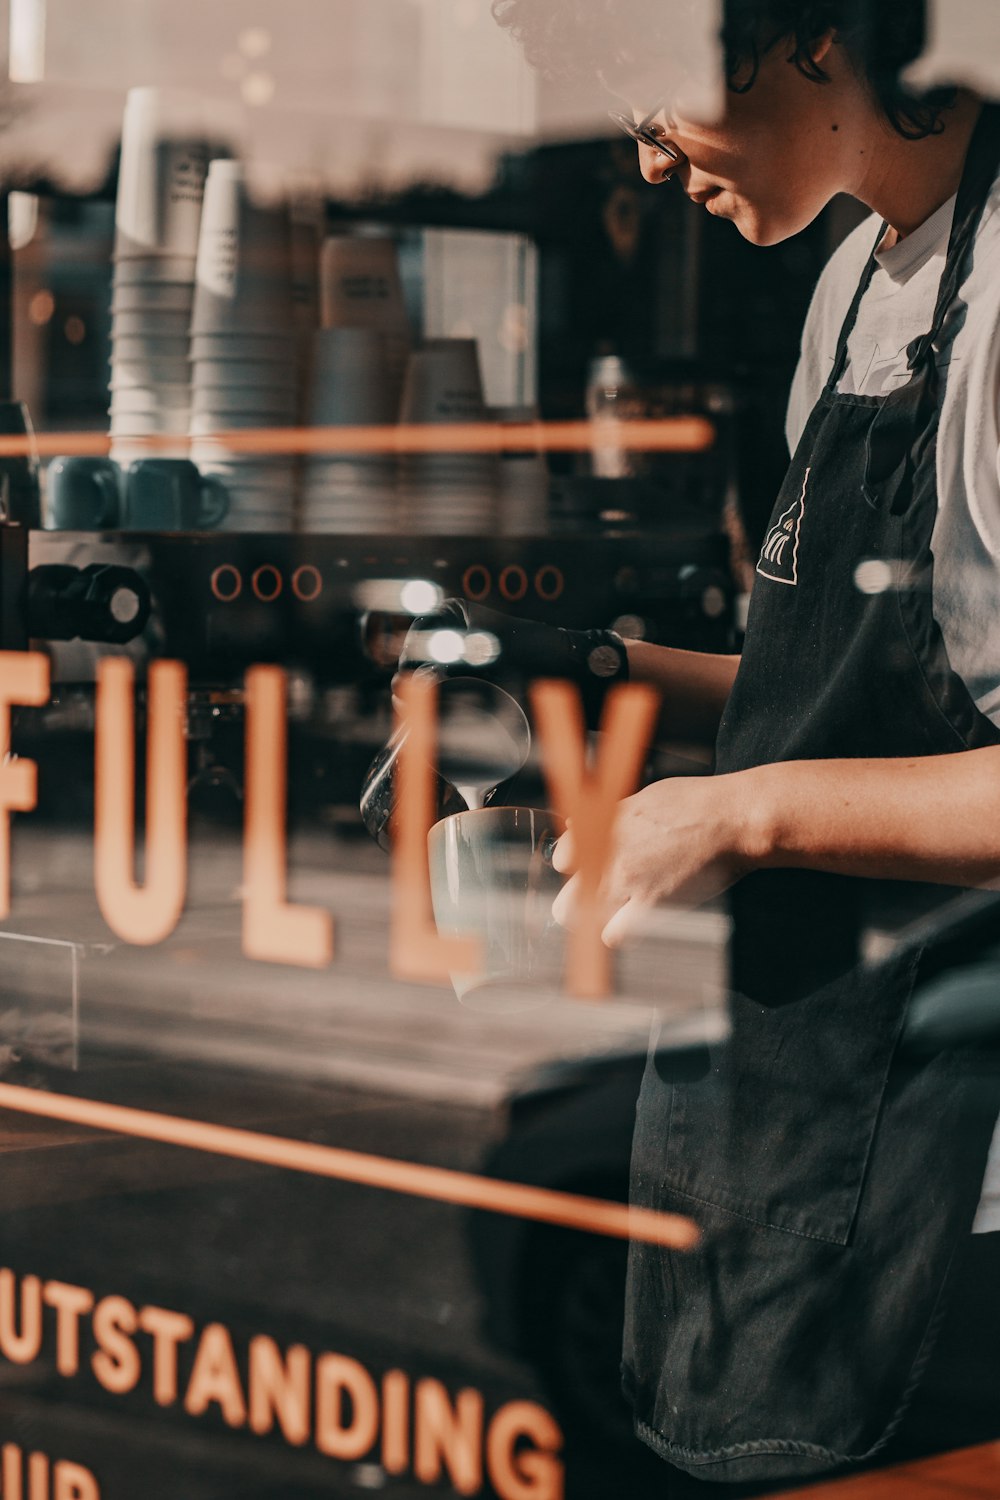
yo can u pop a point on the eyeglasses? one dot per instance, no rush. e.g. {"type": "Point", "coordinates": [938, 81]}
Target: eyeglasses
{"type": "Point", "coordinates": [646, 134]}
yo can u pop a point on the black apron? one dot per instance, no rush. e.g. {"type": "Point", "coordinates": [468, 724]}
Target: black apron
{"type": "Point", "coordinates": [832, 1177]}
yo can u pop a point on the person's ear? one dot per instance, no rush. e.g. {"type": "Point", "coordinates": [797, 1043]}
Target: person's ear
{"type": "Point", "coordinates": [821, 47]}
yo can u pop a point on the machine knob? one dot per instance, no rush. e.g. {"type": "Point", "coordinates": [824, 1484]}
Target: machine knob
{"type": "Point", "coordinates": [103, 602]}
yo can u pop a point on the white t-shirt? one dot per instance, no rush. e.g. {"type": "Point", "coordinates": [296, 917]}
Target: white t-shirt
{"type": "Point", "coordinates": [898, 307]}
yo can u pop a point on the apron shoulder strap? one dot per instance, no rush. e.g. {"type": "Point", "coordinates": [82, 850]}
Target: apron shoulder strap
{"type": "Point", "coordinates": [840, 358]}
{"type": "Point", "coordinates": [981, 166]}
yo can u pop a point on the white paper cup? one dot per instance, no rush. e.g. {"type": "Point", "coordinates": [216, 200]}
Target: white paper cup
{"type": "Point", "coordinates": [161, 178]}
{"type": "Point", "coordinates": [243, 274]}
{"type": "Point", "coordinates": [443, 383]}
{"type": "Point", "coordinates": [206, 424]}
{"type": "Point", "coordinates": [232, 374]}
{"type": "Point", "coordinates": [153, 297]}
{"type": "Point", "coordinates": [147, 424]}
{"type": "Point", "coordinates": [260, 469]}
{"type": "Point", "coordinates": [128, 450]}
{"type": "Point", "coordinates": [150, 398]}
{"type": "Point", "coordinates": [269, 348]}
{"type": "Point", "coordinates": [149, 374]}
{"type": "Point", "coordinates": [155, 270]}
{"type": "Point", "coordinates": [140, 348]}
{"type": "Point", "coordinates": [152, 324]}
{"type": "Point", "coordinates": [218, 402]}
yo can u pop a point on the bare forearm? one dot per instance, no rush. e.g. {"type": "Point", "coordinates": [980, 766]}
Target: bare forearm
{"type": "Point", "coordinates": [695, 686]}
{"type": "Point", "coordinates": [935, 818]}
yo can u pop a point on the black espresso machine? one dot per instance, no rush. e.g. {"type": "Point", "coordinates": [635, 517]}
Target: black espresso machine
{"type": "Point", "coordinates": [332, 610]}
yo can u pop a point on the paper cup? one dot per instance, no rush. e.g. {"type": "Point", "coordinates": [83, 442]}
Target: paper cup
{"type": "Point", "coordinates": [152, 324]}
{"type": "Point", "coordinates": [161, 178]}
{"type": "Point", "coordinates": [271, 348]}
{"type": "Point", "coordinates": [148, 423]}
{"type": "Point", "coordinates": [138, 348]}
{"type": "Point", "coordinates": [443, 383]}
{"type": "Point", "coordinates": [243, 274]}
{"type": "Point", "coordinates": [154, 270]}
{"type": "Point", "coordinates": [153, 297]}
{"type": "Point", "coordinates": [149, 374]}
{"type": "Point", "coordinates": [150, 398]}
{"type": "Point", "coordinates": [220, 403]}
{"type": "Point", "coordinates": [207, 424]}
{"type": "Point", "coordinates": [128, 450]}
{"type": "Point", "coordinates": [230, 374]}
{"type": "Point", "coordinates": [361, 287]}
{"type": "Point", "coordinates": [349, 383]}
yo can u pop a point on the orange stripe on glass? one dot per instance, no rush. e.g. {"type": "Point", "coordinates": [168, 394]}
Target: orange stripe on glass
{"type": "Point", "coordinates": [569, 1210]}
{"type": "Point", "coordinates": [672, 435]}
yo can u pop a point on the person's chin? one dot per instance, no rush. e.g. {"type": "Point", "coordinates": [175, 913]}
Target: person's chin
{"type": "Point", "coordinates": [758, 227]}
{"type": "Point", "coordinates": [760, 231]}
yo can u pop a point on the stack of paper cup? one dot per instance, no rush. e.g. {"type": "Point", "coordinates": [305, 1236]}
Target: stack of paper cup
{"type": "Point", "coordinates": [447, 493]}
{"type": "Point", "coordinates": [352, 492]}
{"type": "Point", "coordinates": [360, 287]}
{"type": "Point", "coordinates": [243, 349]}
{"type": "Point", "coordinates": [157, 216]}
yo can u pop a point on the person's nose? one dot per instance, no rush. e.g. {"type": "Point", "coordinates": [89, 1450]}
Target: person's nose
{"type": "Point", "coordinates": [655, 167]}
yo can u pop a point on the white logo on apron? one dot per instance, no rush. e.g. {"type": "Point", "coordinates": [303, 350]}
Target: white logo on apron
{"type": "Point", "coordinates": [779, 557]}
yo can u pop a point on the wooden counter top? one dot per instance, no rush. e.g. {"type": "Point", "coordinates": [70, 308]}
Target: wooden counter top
{"type": "Point", "coordinates": [967, 1474]}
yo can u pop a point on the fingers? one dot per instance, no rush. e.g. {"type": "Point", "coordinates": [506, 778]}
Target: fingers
{"type": "Point", "coordinates": [564, 906]}
{"type": "Point", "coordinates": [564, 854]}
{"type": "Point", "coordinates": [626, 922]}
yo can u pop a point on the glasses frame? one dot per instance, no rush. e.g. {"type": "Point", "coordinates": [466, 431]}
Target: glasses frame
{"type": "Point", "coordinates": [644, 135]}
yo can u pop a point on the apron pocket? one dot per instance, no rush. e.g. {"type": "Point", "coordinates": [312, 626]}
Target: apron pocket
{"type": "Point", "coordinates": [780, 1128]}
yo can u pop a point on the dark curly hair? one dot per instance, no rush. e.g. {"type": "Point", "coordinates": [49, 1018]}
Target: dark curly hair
{"type": "Point", "coordinates": [883, 36]}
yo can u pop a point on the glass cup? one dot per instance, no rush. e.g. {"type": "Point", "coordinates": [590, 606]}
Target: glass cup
{"type": "Point", "coordinates": [492, 879]}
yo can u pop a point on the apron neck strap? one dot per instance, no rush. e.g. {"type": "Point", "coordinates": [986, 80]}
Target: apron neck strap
{"type": "Point", "coordinates": [980, 171]}
{"type": "Point", "coordinates": [973, 195]}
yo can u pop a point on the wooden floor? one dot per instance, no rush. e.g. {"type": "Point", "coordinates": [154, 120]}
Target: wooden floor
{"type": "Point", "coordinates": [968, 1474]}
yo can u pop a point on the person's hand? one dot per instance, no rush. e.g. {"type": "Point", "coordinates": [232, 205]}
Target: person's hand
{"type": "Point", "coordinates": [683, 840]}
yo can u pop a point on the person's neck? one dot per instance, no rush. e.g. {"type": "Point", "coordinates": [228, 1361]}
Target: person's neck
{"type": "Point", "coordinates": [905, 182]}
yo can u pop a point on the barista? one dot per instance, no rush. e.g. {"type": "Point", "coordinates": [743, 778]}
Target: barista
{"type": "Point", "coordinates": [836, 1182]}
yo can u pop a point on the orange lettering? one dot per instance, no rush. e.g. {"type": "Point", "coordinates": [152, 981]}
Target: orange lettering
{"type": "Point", "coordinates": [38, 1477]}
{"type": "Point", "coordinates": [116, 1363]}
{"type": "Point", "coordinates": [337, 1378]}
{"type": "Point", "coordinates": [416, 949]}
{"type": "Point", "coordinates": [168, 1329]}
{"type": "Point", "coordinates": [589, 797]}
{"type": "Point", "coordinates": [70, 1303]}
{"type": "Point", "coordinates": [73, 1482]}
{"type": "Point", "coordinates": [20, 1348]}
{"type": "Point", "coordinates": [11, 1472]}
{"type": "Point", "coordinates": [273, 930]}
{"type": "Point", "coordinates": [216, 1378]}
{"type": "Point", "coordinates": [279, 1387]}
{"type": "Point", "coordinates": [148, 913]}
{"type": "Point", "coordinates": [24, 678]}
{"type": "Point", "coordinates": [395, 1422]}
{"type": "Point", "coordinates": [524, 1474]}
{"type": "Point", "coordinates": [451, 1434]}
